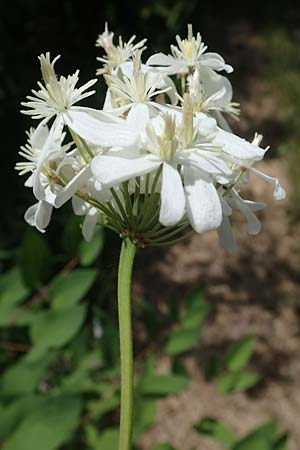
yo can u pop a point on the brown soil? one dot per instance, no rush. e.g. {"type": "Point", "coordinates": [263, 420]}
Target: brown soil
{"type": "Point", "coordinates": [256, 291]}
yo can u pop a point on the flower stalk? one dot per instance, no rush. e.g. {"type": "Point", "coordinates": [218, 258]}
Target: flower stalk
{"type": "Point", "coordinates": [127, 255]}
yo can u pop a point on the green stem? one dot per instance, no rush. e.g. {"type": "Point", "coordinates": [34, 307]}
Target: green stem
{"type": "Point", "coordinates": [124, 306]}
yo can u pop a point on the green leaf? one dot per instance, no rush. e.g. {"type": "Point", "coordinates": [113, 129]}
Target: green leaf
{"type": "Point", "coordinates": [34, 259]}
{"type": "Point", "coordinates": [12, 288]}
{"type": "Point", "coordinates": [72, 236]}
{"type": "Point", "coordinates": [237, 381]}
{"type": "Point", "coordinates": [108, 402]}
{"type": "Point", "coordinates": [145, 415]}
{"type": "Point", "coordinates": [196, 309]}
{"type": "Point", "coordinates": [182, 340]}
{"type": "Point", "coordinates": [11, 415]}
{"type": "Point", "coordinates": [89, 251]}
{"type": "Point", "coordinates": [216, 430]}
{"type": "Point", "coordinates": [48, 427]}
{"type": "Point", "coordinates": [259, 439]}
{"type": "Point", "coordinates": [239, 354]}
{"type": "Point", "coordinates": [254, 443]}
{"type": "Point", "coordinates": [164, 446]}
{"type": "Point", "coordinates": [162, 385]}
{"type": "Point", "coordinates": [108, 440]}
{"type": "Point", "coordinates": [12, 292]}
{"type": "Point", "coordinates": [213, 367]}
{"type": "Point", "coordinates": [53, 329]}
{"type": "Point", "coordinates": [150, 318]}
{"type": "Point", "coordinates": [78, 382]}
{"type": "Point", "coordinates": [23, 377]}
{"type": "Point", "coordinates": [281, 442]}
{"type": "Point", "coordinates": [69, 289]}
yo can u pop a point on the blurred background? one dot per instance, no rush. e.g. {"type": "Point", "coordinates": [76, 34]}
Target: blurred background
{"type": "Point", "coordinates": [217, 337]}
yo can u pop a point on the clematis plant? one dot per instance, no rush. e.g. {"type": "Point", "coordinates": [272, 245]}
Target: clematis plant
{"type": "Point", "coordinates": [156, 163]}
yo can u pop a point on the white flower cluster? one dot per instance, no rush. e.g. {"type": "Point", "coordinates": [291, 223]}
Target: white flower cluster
{"type": "Point", "coordinates": [157, 159]}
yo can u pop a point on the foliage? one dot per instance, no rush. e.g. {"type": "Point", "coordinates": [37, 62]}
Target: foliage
{"type": "Point", "coordinates": [229, 370]}
{"type": "Point", "coordinates": [264, 437]}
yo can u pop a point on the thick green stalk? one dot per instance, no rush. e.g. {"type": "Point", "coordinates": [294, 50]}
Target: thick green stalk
{"type": "Point", "coordinates": [125, 329]}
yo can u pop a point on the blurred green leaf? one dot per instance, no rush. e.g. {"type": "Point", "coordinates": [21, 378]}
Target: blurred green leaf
{"type": "Point", "coordinates": [259, 439]}
{"type": "Point", "coordinates": [239, 354]}
{"type": "Point", "coordinates": [182, 340]}
{"type": "Point", "coordinates": [53, 329]}
{"type": "Point", "coordinates": [89, 251]}
{"type": "Point", "coordinates": [216, 430]}
{"type": "Point", "coordinates": [12, 288]}
{"type": "Point", "coordinates": [150, 318]}
{"type": "Point", "coordinates": [48, 427]}
{"type": "Point", "coordinates": [109, 401]}
{"type": "Point", "coordinates": [67, 290]}
{"type": "Point", "coordinates": [72, 236]}
{"type": "Point", "coordinates": [196, 309]}
{"type": "Point", "coordinates": [11, 415]}
{"type": "Point", "coordinates": [162, 385]}
{"type": "Point", "coordinates": [237, 381]}
{"type": "Point", "coordinates": [164, 446]}
{"type": "Point", "coordinates": [144, 415]}
{"type": "Point", "coordinates": [35, 259]}
{"type": "Point", "coordinates": [23, 377]}
{"type": "Point", "coordinates": [281, 442]}
{"type": "Point", "coordinates": [213, 367]}
{"type": "Point", "coordinates": [108, 440]}
{"type": "Point", "coordinates": [78, 382]}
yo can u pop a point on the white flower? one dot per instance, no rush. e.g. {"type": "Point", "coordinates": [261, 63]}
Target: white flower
{"type": "Point", "coordinates": [58, 94]}
{"type": "Point", "coordinates": [134, 84]}
{"type": "Point", "coordinates": [43, 151]}
{"type": "Point", "coordinates": [31, 152]}
{"type": "Point", "coordinates": [212, 93]}
{"type": "Point", "coordinates": [186, 55]}
{"type": "Point", "coordinates": [57, 99]}
{"type": "Point", "coordinates": [116, 55]}
{"type": "Point", "coordinates": [168, 143]}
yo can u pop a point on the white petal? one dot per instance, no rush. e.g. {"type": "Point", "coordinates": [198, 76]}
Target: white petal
{"type": "Point", "coordinates": [52, 144]}
{"type": "Point", "coordinates": [238, 147]}
{"type": "Point", "coordinates": [255, 206]}
{"type": "Point", "coordinates": [89, 223]}
{"type": "Point", "coordinates": [215, 61]}
{"type": "Point", "coordinates": [215, 83]}
{"type": "Point", "coordinates": [172, 196]}
{"type": "Point", "coordinates": [138, 117]}
{"type": "Point", "coordinates": [29, 181]}
{"type": "Point", "coordinates": [108, 101]}
{"type": "Point", "coordinates": [73, 186]}
{"type": "Point", "coordinates": [203, 204]}
{"type": "Point", "coordinates": [40, 135]}
{"type": "Point", "coordinates": [222, 122]}
{"type": "Point", "coordinates": [80, 207]}
{"type": "Point", "coordinates": [39, 215]}
{"type": "Point", "coordinates": [111, 170]}
{"type": "Point", "coordinates": [210, 165]}
{"type": "Point", "coordinates": [226, 235]}
{"type": "Point", "coordinates": [30, 213]}
{"type": "Point", "coordinates": [160, 59]}
{"type": "Point", "coordinates": [253, 224]}
{"type": "Point", "coordinates": [279, 192]}
{"type": "Point", "coordinates": [43, 215]}
{"type": "Point", "coordinates": [97, 130]}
